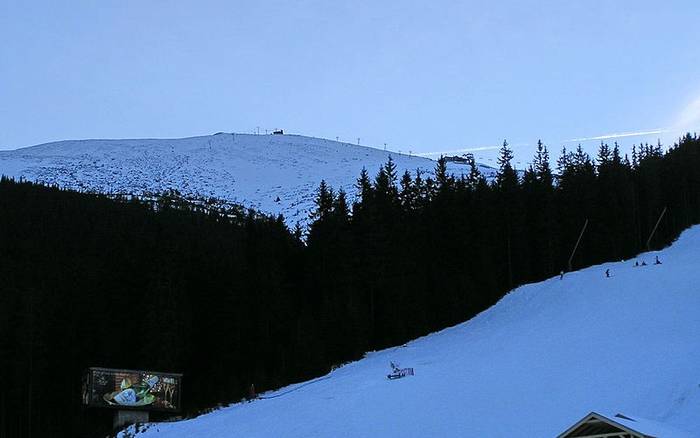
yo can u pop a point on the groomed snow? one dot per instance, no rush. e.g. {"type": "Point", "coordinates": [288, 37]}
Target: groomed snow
{"type": "Point", "coordinates": [531, 366]}
{"type": "Point", "coordinates": [271, 173]}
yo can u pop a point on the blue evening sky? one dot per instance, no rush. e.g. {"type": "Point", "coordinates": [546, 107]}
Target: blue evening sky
{"type": "Point", "coordinates": [423, 76]}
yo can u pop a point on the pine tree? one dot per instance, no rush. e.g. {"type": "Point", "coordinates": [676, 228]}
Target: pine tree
{"type": "Point", "coordinates": [323, 202]}
{"type": "Point", "coordinates": [407, 194]}
{"type": "Point", "coordinates": [444, 180]}
{"type": "Point", "coordinates": [563, 161]}
{"type": "Point", "coordinates": [615, 157]}
{"type": "Point", "coordinates": [581, 160]}
{"type": "Point", "coordinates": [390, 169]}
{"type": "Point", "coordinates": [603, 154]}
{"type": "Point", "coordinates": [298, 232]}
{"type": "Point", "coordinates": [341, 211]}
{"type": "Point", "coordinates": [508, 206]}
{"type": "Point", "coordinates": [420, 189]}
{"type": "Point", "coordinates": [385, 183]}
{"type": "Point", "coordinates": [541, 166]}
{"type": "Point", "coordinates": [364, 186]}
{"type": "Point", "coordinates": [506, 174]}
{"type": "Point", "coordinates": [475, 176]}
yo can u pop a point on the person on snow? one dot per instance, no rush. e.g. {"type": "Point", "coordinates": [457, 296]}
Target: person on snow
{"type": "Point", "coordinates": [636, 264]}
{"type": "Point", "coordinates": [644, 263]}
{"type": "Point", "coordinates": [657, 261]}
{"type": "Point", "coordinates": [607, 273]}
{"type": "Point", "coordinates": [561, 275]}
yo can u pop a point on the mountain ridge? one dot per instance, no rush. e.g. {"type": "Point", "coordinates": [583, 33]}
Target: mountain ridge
{"type": "Point", "coordinates": [275, 174]}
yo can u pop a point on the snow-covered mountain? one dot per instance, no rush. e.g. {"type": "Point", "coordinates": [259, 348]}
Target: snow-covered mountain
{"type": "Point", "coordinates": [531, 366]}
{"type": "Point", "coordinates": [272, 173]}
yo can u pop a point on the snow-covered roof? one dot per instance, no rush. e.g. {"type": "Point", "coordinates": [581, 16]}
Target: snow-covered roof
{"type": "Point", "coordinates": [651, 427]}
{"type": "Point", "coordinates": [598, 425]}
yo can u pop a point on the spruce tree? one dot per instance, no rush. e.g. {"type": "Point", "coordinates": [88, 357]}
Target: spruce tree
{"type": "Point", "coordinates": [506, 177]}
{"type": "Point", "coordinates": [541, 165]}
{"type": "Point", "coordinates": [475, 176]}
{"type": "Point", "coordinates": [323, 202]}
{"type": "Point", "coordinates": [364, 186]}
{"type": "Point", "coordinates": [442, 177]}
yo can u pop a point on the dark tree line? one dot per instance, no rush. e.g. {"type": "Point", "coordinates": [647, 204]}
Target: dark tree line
{"type": "Point", "coordinates": [412, 254]}
{"type": "Point", "coordinates": [231, 297]}
{"type": "Point", "coordinates": [91, 281]}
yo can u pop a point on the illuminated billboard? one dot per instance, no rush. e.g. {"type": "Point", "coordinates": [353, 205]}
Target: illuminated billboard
{"type": "Point", "coordinates": [131, 389]}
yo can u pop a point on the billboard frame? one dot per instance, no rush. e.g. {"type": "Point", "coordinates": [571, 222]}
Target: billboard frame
{"type": "Point", "coordinates": [87, 389]}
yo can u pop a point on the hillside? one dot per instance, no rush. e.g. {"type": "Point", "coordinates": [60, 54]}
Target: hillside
{"type": "Point", "coordinates": [532, 365]}
{"type": "Point", "coordinates": [271, 173]}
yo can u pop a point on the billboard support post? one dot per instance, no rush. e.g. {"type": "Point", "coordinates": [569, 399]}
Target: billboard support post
{"type": "Point", "coordinates": [131, 393]}
{"type": "Point", "coordinates": [126, 418]}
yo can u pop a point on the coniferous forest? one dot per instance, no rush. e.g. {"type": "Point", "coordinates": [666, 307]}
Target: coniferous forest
{"type": "Point", "coordinates": [232, 297]}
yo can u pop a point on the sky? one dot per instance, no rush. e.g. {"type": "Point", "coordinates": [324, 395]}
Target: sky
{"type": "Point", "coordinates": [426, 77]}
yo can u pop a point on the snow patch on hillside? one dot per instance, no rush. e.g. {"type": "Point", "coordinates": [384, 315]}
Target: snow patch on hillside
{"type": "Point", "coordinates": [532, 365]}
{"type": "Point", "coordinates": [276, 174]}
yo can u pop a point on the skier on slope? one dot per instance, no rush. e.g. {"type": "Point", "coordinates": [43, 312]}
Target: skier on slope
{"type": "Point", "coordinates": [657, 261]}
{"type": "Point", "coordinates": [607, 273]}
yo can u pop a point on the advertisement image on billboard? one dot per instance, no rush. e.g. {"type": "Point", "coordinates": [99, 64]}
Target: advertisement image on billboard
{"type": "Point", "coordinates": [131, 389]}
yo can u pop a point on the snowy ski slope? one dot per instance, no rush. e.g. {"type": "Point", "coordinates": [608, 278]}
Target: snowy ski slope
{"type": "Point", "coordinates": [272, 173]}
{"type": "Point", "coordinates": [531, 366]}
